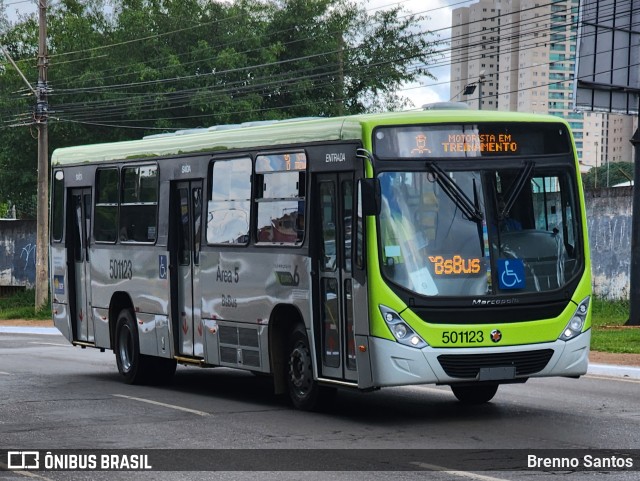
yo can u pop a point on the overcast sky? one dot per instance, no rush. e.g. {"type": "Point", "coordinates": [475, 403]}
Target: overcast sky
{"type": "Point", "coordinates": [439, 11]}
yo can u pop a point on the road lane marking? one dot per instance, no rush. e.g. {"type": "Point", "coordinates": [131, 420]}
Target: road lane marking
{"type": "Point", "coordinates": [24, 473]}
{"type": "Point", "coordinates": [607, 378]}
{"type": "Point", "coordinates": [460, 474]}
{"type": "Point", "coordinates": [158, 403]}
{"type": "Point", "coordinates": [50, 344]}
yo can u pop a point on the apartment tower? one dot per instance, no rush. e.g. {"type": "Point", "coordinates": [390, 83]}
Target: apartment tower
{"type": "Point", "coordinates": [520, 55]}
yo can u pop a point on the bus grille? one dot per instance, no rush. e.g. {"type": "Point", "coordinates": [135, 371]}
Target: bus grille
{"type": "Point", "coordinates": [469, 365]}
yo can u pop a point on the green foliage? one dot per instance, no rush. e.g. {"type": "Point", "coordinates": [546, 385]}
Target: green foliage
{"type": "Point", "coordinates": [619, 172]}
{"type": "Point", "coordinates": [5, 208]}
{"type": "Point", "coordinates": [609, 333]}
{"type": "Point", "coordinates": [20, 306]}
{"type": "Point", "coordinates": [609, 313]}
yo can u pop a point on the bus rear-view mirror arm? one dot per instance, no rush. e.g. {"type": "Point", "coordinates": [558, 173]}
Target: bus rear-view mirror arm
{"type": "Point", "coordinates": [371, 197]}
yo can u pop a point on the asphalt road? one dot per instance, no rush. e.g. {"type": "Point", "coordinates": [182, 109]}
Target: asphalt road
{"type": "Point", "coordinates": [57, 397]}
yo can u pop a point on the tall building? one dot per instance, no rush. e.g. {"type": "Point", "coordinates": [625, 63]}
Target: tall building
{"type": "Point", "coordinates": [475, 49]}
{"type": "Point", "coordinates": [520, 56]}
{"type": "Point", "coordinates": [606, 139]}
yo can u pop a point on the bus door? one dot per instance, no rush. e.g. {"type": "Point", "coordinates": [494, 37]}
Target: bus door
{"type": "Point", "coordinates": [334, 301]}
{"type": "Point", "coordinates": [79, 216]}
{"type": "Point", "coordinates": [187, 220]}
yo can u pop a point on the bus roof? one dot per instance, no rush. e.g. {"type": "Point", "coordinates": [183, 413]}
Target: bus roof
{"type": "Point", "coordinates": [268, 134]}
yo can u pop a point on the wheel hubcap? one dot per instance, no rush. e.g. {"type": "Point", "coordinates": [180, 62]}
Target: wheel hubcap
{"type": "Point", "coordinates": [125, 350]}
{"type": "Point", "coordinates": [300, 370]}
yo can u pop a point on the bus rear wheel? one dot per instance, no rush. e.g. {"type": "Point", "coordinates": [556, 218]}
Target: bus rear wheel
{"type": "Point", "coordinates": [479, 394]}
{"type": "Point", "coordinates": [135, 367]}
{"type": "Point", "coordinates": [304, 391]}
{"type": "Point", "coordinates": [131, 364]}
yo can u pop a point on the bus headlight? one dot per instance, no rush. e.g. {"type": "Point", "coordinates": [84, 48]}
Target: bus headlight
{"type": "Point", "coordinates": [575, 325]}
{"type": "Point", "coordinates": [400, 329]}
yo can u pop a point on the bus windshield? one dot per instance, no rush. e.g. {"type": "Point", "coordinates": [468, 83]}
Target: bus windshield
{"type": "Point", "coordinates": [479, 232]}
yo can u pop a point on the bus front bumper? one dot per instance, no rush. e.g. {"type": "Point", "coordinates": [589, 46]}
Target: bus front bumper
{"type": "Point", "coordinates": [394, 364]}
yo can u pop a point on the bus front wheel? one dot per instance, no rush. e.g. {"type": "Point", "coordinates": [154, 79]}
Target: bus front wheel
{"type": "Point", "coordinates": [479, 394]}
{"type": "Point", "coordinates": [304, 391]}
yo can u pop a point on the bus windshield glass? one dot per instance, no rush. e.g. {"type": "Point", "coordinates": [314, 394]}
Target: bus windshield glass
{"type": "Point", "coordinates": [496, 231]}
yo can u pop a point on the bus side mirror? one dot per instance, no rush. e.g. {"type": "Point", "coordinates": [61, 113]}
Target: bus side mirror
{"type": "Point", "coordinates": [370, 191]}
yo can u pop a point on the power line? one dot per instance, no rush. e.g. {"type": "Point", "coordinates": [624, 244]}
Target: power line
{"type": "Point", "coordinates": [258, 86]}
{"type": "Point", "coordinates": [186, 92]}
{"type": "Point", "coordinates": [181, 78]}
{"type": "Point", "coordinates": [230, 44]}
{"type": "Point", "coordinates": [112, 86]}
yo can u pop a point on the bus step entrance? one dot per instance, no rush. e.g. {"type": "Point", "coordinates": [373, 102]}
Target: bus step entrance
{"type": "Point", "coordinates": [193, 361]}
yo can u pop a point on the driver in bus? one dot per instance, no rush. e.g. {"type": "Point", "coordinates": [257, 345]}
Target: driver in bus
{"type": "Point", "coordinates": [507, 223]}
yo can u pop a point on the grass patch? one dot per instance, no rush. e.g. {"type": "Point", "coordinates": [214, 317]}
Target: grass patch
{"type": "Point", "coordinates": [22, 306]}
{"type": "Point", "coordinates": [609, 333]}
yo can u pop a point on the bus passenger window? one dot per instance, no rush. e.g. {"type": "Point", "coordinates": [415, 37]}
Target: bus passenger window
{"type": "Point", "coordinates": [105, 227]}
{"type": "Point", "coordinates": [281, 208]}
{"type": "Point", "coordinates": [228, 211]}
{"type": "Point", "coordinates": [347, 193]}
{"type": "Point", "coordinates": [138, 209]}
{"type": "Point", "coordinates": [57, 207]}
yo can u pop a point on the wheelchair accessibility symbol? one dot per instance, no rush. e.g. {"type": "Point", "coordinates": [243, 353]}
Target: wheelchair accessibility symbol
{"type": "Point", "coordinates": [511, 273]}
{"type": "Point", "coordinates": [162, 266]}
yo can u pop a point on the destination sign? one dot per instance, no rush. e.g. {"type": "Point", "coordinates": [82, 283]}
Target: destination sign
{"type": "Point", "coordinates": [281, 162]}
{"type": "Point", "coordinates": [479, 143]}
{"type": "Point", "coordinates": [474, 140]}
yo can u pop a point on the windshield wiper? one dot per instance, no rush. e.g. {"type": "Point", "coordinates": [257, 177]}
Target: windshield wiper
{"type": "Point", "coordinates": [516, 188]}
{"type": "Point", "coordinates": [470, 209]}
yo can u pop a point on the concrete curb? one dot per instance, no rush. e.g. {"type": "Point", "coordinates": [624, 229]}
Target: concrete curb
{"type": "Point", "coordinates": [610, 370]}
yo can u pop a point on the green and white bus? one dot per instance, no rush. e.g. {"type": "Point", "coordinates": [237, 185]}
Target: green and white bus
{"type": "Point", "coordinates": [441, 246]}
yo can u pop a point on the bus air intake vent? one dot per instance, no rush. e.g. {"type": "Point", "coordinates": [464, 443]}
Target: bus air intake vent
{"type": "Point", "coordinates": [229, 355]}
{"type": "Point", "coordinates": [250, 358]}
{"type": "Point", "coordinates": [248, 337]}
{"type": "Point", "coordinates": [468, 365]}
{"type": "Point", "coordinates": [228, 335]}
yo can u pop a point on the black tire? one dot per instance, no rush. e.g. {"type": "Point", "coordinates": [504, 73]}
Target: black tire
{"type": "Point", "coordinates": [131, 364]}
{"type": "Point", "coordinates": [480, 394]}
{"type": "Point", "coordinates": [161, 370]}
{"type": "Point", "coordinates": [304, 391]}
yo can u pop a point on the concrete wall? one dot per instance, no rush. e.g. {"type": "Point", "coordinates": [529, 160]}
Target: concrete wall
{"type": "Point", "coordinates": [18, 253]}
{"type": "Point", "coordinates": [609, 214]}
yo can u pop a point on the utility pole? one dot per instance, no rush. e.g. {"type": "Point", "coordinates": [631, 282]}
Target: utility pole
{"type": "Point", "coordinates": [340, 88]}
{"type": "Point", "coordinates": [481, 78]}
{"type": "Point", "coordinates": [634, 280]}
{"type": "Point", "coordinates": [41, 115]}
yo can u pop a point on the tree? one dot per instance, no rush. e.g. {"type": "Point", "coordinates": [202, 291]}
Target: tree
{"type": "Point", "coordinates": [618, 172]}
{"type": "Point", "coordinates": [337, 58]}
{"type": "Point", "coordinates": [144, 66]}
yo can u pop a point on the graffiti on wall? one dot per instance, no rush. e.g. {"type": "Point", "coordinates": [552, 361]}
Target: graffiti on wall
{"type": "Point", "coordinates": [609, 215]}
{"type": "Point", "coordinates": [17, 253]}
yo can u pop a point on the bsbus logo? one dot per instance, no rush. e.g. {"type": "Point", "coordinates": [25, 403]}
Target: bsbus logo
{"type": "Point", "coordinates": [455, 265]}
